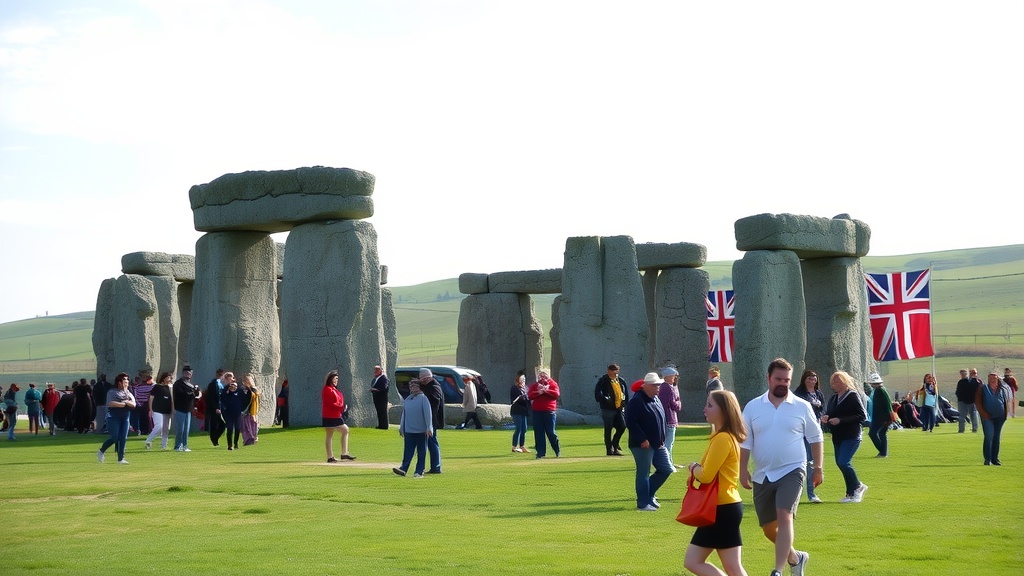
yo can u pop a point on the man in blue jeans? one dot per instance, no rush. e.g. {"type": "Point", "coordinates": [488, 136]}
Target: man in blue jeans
{"type": "Point", "coordinates": [184, 394]}
{"type": "Point", "coordinates": [645, 420]}
{"type": "Point", "coordinates": [881, 415]}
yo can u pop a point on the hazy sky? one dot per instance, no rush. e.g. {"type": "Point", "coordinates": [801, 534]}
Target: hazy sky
{"type": "Point", "coordinates": [496, 130]}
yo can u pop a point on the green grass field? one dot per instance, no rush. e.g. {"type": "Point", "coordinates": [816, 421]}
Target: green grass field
{"type": "Point", "coordinates": [278, 508]}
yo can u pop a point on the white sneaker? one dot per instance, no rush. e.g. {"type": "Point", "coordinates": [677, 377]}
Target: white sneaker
{"type": "Point", "coordinates": [99, 456]}
{"type": "Point", "coordinates": [647, 508]}
{"type": "Point", "coordinates": [858, 494]}
{"type": "Point", "coordinates": [417, 475]}
{"type": "Point", "coordinates": [185, 450]}
{"type": "Point", "coordinates": [122, 461]}
{"type": "Point", "coordinates": [847, 499]}
{"type": "Point", "coordinates": [149, 445]}
{"type": "Point", "coordinates": [814, 499]}
{"type": "Point", "coordinates": [655, 503]}
{"type": "Point", "coordinates": [801, 563]}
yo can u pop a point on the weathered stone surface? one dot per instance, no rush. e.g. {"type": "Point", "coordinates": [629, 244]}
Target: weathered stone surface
{"type": "Point", "coordinates": [526, 282]}
{"type": "Point", "coordinates": [654, 256]}
{"type": "Point", "coordinates": [770, 318]}
{"type": "Point", "coordinates": [331, 316]}
{"type": "Point", "coordinates": [185, 319]}
{"type": "Point", "coordinates": [279, 250]}
{"type": "Point", "coordinates": [390, 326]}
{"type": "Point", "coordinates": [234, 322]}
{"type": "Point", "coordinates": [181, 267]}
{"type": "Point", "coordinates": [838, 328]}
{"type": "Point", "coordinates": [682, 334]}
{"type": "Point", "coordinates": [165, 289]}
{"type": "Point", "coordinates": [807, 236]}
{"type": "Point", "coordinates": [602, 318]}
{"type": "Point", "coordinates": [649, 282]}
{"type": "Point", "coordinates": [554, 337]}
{"type": "Point", "coordinates": [276, 201]}
{"type": "Point", "coordinates": [103, 330]}
{"type": "Point", "coordinates": [498, 335]}
{"type": "Point", "coordinates": [135, 325]}
{"type": "Point", "coordinates": [472, 283]}
{"type": "Point", "coordinates": [383, 275]}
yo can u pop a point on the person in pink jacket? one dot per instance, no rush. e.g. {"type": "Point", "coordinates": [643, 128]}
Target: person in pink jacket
{"type": "Point", "coordinates": [543, 395]}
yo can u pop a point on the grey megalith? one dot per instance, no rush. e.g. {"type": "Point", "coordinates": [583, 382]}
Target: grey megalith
{"type": "Point", "coordinates": [103, 330]}
{"type": "Point", "coordinates": [498, 335]}
{"type": "Point", "coordinates": [234, 316]}
{"type": "Point", "coordinates": [390, 326]}
{"type": "Point", "coordinates": [649, 283]}
{"type": "Point", "coordinates": [165, 288]}
{"type": "Point", "coordinates": [602, 318]}
{"type": "Point", "coordinates": [556, 361]}
{"type": "Point", "coordinates": [807, 236]}
{"type": "Point", "coordinates": [181, 267]}
{"type": "Point", "coordinates": [682, 334]}
{"type": "Point", "coordinates": [658, 256]}
{"type": "Point", "coordinates": [274, 201]}
{"type": "Point", "coordinates": [526, 281]}
{"type": "Point", "coordinates": [185, 327]}
{"type": "Point", "coordinates": [838, 325]}
{"type": "Point", "coordinates": [331, 316]}
{"type": "Point", "coordinates": [472, 283]}
{"type": "Point", "coordinates": [770, 318]}
{"type": "Point", "coordinates": [136, 325]}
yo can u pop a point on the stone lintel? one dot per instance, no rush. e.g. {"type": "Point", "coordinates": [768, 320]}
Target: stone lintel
{"type": "Point", "coordinates": [526, 282]}
{"type": "Point", "coordinates": [654, 256]}
{"type": "Point", "coordinates": [181, 267]}
{"type": "Point", "coordinates": [806, 236]}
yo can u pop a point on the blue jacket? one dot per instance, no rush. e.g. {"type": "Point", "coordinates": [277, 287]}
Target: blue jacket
{"type": "Point", "coordinates": [645, 419]}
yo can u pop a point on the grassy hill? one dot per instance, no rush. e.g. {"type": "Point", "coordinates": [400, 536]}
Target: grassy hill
{"type": "Point", "coordinates": [978, 319]}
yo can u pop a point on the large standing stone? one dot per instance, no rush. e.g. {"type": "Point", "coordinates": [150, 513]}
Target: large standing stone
{"type": "Point", "coordinates": [682, 334]}
{"type": "Point", "coordinates": [135, 324]}
{"type": "Point", "coordinates": [390, 326]}
{"type": "Point", "coordinates": [234, 317]}
{"type": "Point", "coordinates": [602, 317]}
{"type": "Point", "coordinates": [277, 200]}
{"type": "Point", "coordinates": [808, 236]}
{"type": "Point", "coordinates": [498, 335]}
{"type": "Point", "coordinates": [837, 318]}
{"type": "Point", "coordinates": [185, 329]}
{"type": "Point", "coordinates": [554, 336]}
{"type": "Point", "coordinates": [770, 318]}
{"type": "Point", "coordinates": [165, 288]}
{"type": "Point", "coordinates": [103, 330]}
{"type": "Point", "coordinates": [331, 316]}
{"type": "Point", "coordinates": [649, 282]}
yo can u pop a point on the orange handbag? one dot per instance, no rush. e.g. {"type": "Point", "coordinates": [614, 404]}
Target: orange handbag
{"type": "Point", "coordinates": [699, 504]}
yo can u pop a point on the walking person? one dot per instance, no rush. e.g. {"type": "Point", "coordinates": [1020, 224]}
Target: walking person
{"type": "Point", "coordinates": [966, 393]}
{"type": "Point", "coordinates": [214, 410]}
{"type": "Point", "coordinates": [10, 406]}
{"type": "Point", "coordinates": [668, 393]}
{"type": "Point", "coordinates": [519, 409]}
{"type": "Point", "coordinates": [777, 424]}
{"type": "Point", "coordinates": [161, 405]}
{"type": "Point", "coordinates": [281, 416]}
{"type": "Point", "coordinates": [721, 460]}
{"type": "Point", "coordinates": [844, 415]}
{"type": "Point", "coordinates": [645, 420]}
{"type": "Point", "coordinates": [469, 402]}
{"type": "Point", "coordinates": [610, 393]}
{"type": "Point", "coordinates": [250, 411]}
{"type": "Point", "coordinates": [379, 387]}
{"type": "Point", "coordinates": [184, 395]}
{"type": "Point", "coordinates": [809, 390]}
{"type": "Point", "coordinates": [120, 404]}
{"type": "Point", "coordinates": [881, 415]}
{"type": "Point", "coordinates": [415, 427]}
{"type": "Point", "coordinates": [993, 401]}
{"type": "Point", "coordinates": [332, 413]}
{"type": "Point", "coordinates": [543, 396]}
{"type": "Point", "coordinates": [232, 401]}
{"type": "Point", "coordinates": [435, 396]}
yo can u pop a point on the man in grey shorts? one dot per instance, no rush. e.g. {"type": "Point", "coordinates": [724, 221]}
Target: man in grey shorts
{"type": "Point", "coordinates": [777, 424]}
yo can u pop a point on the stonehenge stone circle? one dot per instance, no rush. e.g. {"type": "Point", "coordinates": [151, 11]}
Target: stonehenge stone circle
{"type": "Point", "coordinates": [681, 334]}
{"type": "Point", "coordinates": [275, 201]}
{"type": "Point", "coordinates": [499, 334]}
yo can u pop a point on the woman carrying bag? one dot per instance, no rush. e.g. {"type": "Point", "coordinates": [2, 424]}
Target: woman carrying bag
{"type": "Point", "coordinates": [721, 462]}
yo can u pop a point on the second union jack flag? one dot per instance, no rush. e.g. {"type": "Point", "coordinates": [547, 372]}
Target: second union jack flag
{"type": "Point", "coordinates": [899, 309]}
{"type": "Point", "coordinates": [721, 323]}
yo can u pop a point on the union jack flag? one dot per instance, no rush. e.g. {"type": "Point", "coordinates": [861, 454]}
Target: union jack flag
{"type": "Point", "coordinates": [721, 323]}
{"type": "Point", "coordinates": [899, 309]}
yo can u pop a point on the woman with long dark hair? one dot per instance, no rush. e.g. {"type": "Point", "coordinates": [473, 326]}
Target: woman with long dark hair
{"type": "Point", "coordinates": [809, 390]}
{"type": "Point", "coordinates": [332, 412]}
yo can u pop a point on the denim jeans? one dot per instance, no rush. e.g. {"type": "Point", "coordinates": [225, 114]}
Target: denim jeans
{"type": "Point", "coordinates": [434, 449]}
{"type": "Point", "coordinates": [878, 432]}
{"type": "Point", "coordinates": [927, 418]}
{"type": "Point", "coordinates": [966, 408]}
{"type": "Point", "coordinates": [810, 470]}
{"type": "Point", "coordinates": [117, 426]}
{"type": "Point", "coordinates": [670, 442]}
{"type": "Point", "coordinates": [845, 449]}
{"type": "Point", "coordinates": [993, 429]}
{"type": "Point", "coordinates": [182, 422]}
{"type": "Point", "coordinates": [647, 484]}
{"type": "Point", "coordinates": [544, 425]}
{"type": "Point", "coordinates": [415, 442]}
{"type": "Point", "coordinates": [519, 435]}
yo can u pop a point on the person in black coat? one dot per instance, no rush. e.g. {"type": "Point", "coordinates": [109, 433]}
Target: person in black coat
{"type": "Point", "coordinates": [379, 390]}
{"type": "Point", "coordinates": [214, 416]}
{"type": "Point", "coordinates": [435, 395]}
{"type": "Point", "coordinates": [232, 401]}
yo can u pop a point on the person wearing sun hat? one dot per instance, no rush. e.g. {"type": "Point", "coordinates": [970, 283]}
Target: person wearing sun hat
{"type": "Point", "coordinates": [645, 420]}
{"type": "Point", "coordinates": [881, 415]}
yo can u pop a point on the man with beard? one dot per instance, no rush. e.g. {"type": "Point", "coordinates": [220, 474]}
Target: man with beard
{"type": "Point", "coordinates": [778, 422]}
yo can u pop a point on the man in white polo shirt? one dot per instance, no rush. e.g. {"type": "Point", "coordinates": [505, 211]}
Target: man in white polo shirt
{"type": "Point", "coordinates": [778, 423]}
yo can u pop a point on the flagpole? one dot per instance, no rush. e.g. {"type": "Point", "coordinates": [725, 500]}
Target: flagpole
{"type": "Point", "coordinates": [931, 322]}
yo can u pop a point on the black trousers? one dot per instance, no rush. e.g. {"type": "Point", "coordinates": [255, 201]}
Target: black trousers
{"type": "Point", "coordinates": [613, 419]}
{"type": "Point", "coordinates": [215, 425]}
{"type": "Point", "coordinates": [380, 403]}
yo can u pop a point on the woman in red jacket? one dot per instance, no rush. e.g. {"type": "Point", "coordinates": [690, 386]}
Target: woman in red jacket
{"type": "Point", "coordinates": [332, 415]}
